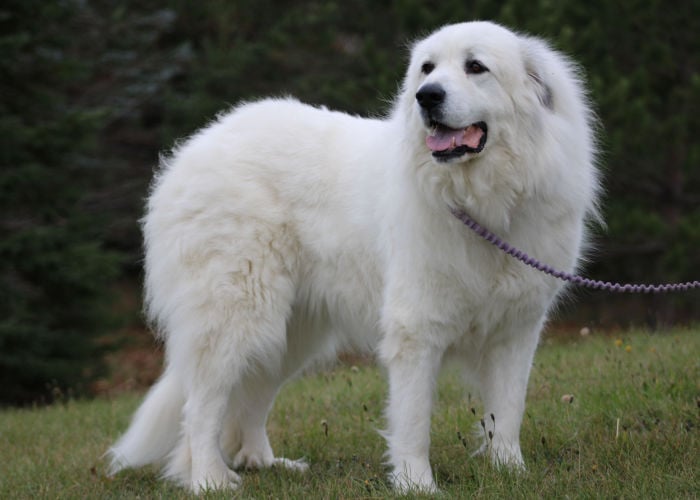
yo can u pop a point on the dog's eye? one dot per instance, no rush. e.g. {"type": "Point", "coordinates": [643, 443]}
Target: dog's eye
{"type": "Point", "coordinates": [427, 68]}
{"type": "Point", "coordinates": [475, 67]}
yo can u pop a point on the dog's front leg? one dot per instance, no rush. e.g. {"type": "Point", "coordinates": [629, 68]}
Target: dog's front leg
{"type": "Point", "coordinates": [503, 376]}
{"type": "Point", "coordinates": [412, 369]}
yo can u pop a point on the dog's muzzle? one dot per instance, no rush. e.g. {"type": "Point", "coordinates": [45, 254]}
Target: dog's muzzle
{"type": "Point", "coordinates": [444, 141]}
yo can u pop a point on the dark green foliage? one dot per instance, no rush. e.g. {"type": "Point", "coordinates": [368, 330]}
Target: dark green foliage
{"type": "Point", "coordinates": [54, 274]}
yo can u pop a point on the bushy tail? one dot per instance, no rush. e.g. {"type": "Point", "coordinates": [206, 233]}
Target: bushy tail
{"type": "Point", "coordinates": [154, 429]}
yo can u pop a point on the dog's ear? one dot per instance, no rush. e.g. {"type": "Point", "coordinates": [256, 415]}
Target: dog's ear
{"type": "Point", "coordinates": [535, 54]}
{"type": "Point", "coordinates": [542, 90]}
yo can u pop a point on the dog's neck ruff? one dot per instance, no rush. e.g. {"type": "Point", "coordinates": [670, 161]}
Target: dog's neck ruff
{"type": "Point", "coordinates": [564, 276]}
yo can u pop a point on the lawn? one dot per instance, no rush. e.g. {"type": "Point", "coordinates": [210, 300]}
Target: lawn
{"type": "Point", "coordinates": [607, 417]}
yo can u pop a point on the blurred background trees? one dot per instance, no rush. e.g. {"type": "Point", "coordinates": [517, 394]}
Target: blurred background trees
{"type": "Point", "coordinates": [91, 92]}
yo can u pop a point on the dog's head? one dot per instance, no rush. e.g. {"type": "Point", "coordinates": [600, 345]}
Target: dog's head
{"type": "Point", "coordinates": [470, 84]}
{"type": "Point", "coordinates": [506, 107]}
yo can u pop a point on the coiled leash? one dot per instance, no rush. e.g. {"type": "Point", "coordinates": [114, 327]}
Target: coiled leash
{"type": "Point", "coordinates": [571, 278]}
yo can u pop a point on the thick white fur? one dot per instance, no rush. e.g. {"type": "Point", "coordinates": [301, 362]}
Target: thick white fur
{"type": "Point", "coordinates": [282, 233]}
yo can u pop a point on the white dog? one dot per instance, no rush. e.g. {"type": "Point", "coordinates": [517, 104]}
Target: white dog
{"type": "Point", "coordinates": [283, 233]}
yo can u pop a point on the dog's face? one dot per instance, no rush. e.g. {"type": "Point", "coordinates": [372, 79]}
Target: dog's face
{"type": "Point", "coordinates": [467, 82]}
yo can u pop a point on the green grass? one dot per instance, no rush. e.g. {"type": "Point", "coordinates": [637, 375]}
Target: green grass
{"type": "Point", "coordinates": [632, 431]}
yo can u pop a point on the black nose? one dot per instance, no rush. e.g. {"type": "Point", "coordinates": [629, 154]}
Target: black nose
{"type": "Point", "coordinates": [430, 95]}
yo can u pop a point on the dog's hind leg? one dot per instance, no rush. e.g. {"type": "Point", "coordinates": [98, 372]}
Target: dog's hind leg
{"type": "Point", "coordinates": [245, 439]}
{"type": "Point", "coordinates": [232, 324]}
{"type": "Point", "coordinates": [223, 362]}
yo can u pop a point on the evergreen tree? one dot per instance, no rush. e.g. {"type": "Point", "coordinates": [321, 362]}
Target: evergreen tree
{"type": "Point", "coordinates": [54, 275]}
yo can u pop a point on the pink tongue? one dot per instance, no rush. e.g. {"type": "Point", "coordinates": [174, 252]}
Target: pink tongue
{"type": "Point", "coordinates": [445, 138]}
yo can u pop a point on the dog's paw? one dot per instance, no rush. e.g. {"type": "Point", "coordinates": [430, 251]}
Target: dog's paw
{"type": "Point", "coordinates": [502, 453]}
{"type": "Point", "coordinates": [252, 459]}
{"type": "Point", "coordinates": [248, 459]}
{"type": "Point", "coordinates": [299, 465]}
{"type": "Point", "coordinates": [406, 483]}
{"type": "Point", "coordinates": [506, 454]}
{"type": "Point", "coordinates": [223, 479]}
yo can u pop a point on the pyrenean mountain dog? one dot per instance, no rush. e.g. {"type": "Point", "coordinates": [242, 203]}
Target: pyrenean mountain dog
{"type": "Point", "coordinates": [283, 233]}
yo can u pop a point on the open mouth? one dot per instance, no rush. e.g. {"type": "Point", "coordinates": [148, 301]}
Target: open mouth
{"type": "Point", "coordinates": [447, 143]}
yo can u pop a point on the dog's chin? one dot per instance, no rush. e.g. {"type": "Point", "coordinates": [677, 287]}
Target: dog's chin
{"type": "Point", "coordinates": [455, 145]}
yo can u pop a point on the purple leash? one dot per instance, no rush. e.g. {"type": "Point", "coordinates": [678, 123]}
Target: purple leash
{"type": "Point", "coordinates": [571, 278]}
